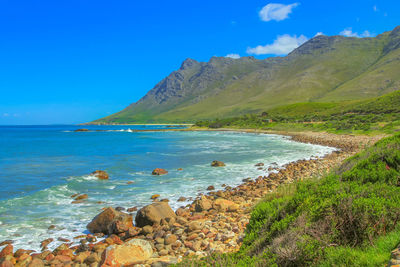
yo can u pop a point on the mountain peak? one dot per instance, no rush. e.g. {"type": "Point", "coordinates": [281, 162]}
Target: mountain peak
{"type": "Point", "coordinates": [188, 63]}
{"type": "Point", "coordinates": [394, 40]}
{"type": "Point", "coordinates": [325, 68]}
{"type": "Point", "coordinates": [316, 43]}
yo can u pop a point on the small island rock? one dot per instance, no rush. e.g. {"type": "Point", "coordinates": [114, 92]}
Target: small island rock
{"type": "Point", "coordinates": [102, 175]}
{"type": "Point", "coordinates": [159, 171]}
{"type": "Point", "coordinates": [217, 163]}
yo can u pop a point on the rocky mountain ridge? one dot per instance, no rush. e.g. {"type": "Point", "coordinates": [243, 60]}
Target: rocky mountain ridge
{"type": "Point", "coordinates": [323, 69]}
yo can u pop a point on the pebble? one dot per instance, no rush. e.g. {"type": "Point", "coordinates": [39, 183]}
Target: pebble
{"type": "Point", "coordinates": [199, 233]}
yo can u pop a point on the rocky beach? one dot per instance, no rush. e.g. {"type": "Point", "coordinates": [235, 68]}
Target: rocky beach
{"type": "Point", "coordinates": [214, 221]}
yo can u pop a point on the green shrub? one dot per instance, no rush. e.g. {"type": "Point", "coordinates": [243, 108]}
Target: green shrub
{"type": "Point", "coordinates": [335, 221]}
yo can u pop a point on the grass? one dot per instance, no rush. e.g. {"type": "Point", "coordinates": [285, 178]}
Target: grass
{"type": "Point", "coordinates": [347, 218]}
{"type": "Point", "coordinates": [376, 255]}
{"type": "Point", "coordinates": [375, 115]}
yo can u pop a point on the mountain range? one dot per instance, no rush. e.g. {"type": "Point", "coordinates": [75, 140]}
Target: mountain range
{"type": "Point", "coordinates": [324, 69]}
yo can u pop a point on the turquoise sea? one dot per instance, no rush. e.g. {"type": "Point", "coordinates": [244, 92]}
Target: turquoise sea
{"type": "Point", "coordinates": [42, 166]}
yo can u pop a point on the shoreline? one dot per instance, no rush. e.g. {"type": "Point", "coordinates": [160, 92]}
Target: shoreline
{"type": "Point", "coordinates": [220, 217]}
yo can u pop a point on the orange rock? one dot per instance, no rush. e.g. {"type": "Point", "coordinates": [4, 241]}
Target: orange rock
{"type": "Point", "coordinates": [49, 257]}
{"type": "Point", "coordinates": [132, 209]}
{"type": "Point", "coordinates": [21, 251]}
{"type": "Point", "coordinates": [217, 163]}
{"type": "Point", "coordinates": [45, 242]}
{"type": "Point", "coordinates": [81, 257]}
{"type": "Point", "coordinates": [116, 240]}
{"type": "Point", "coordinates": [66, 252]}
{"type": "Point", "coordinates": [6, 263]}
{"type": "Point", "coordinates": [24, 260]}
{"type": "Point", "coordinates": [7, 250]}
{"type": "Point", "coordinates": [159, 171]}
{"type": "Point", "coordinates": [110, 221]}
{"type": "Point", "coordinates": [155, 196]}
{"type": "Point", "coordinates": [81, 197]}
{"type": "Point", "coordinates": [63, 258]}
{"type": "Point", "coordinates": [225, 205]}
{"type": "Point", "coordinates": [134, 251]}
{"type": "Point", "coordinates": [36, 263]}
{"type": "Point", "coordinates": [102, 175]}
{"type": "Point", "coordinates": [153, 214]}
{"type": "Point", "coordinates": [203, 204]}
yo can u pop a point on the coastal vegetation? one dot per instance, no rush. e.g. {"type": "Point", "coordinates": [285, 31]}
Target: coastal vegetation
{"type": "Point", "coordinates": [350, 217]}
{"type": "Point", "coordinates": [375, 115]}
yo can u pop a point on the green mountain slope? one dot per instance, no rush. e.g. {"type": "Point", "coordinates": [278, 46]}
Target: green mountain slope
{"type": "Point", "coordinates": [368, 116]}
{"type": "Point", "coordinates": [324, 69]}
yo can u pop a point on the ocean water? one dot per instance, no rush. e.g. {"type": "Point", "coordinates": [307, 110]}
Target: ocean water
{"type": "Point", "coordinates": [42, 166]}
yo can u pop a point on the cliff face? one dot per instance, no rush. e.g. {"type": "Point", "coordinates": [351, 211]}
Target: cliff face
{"type": "Point", "coordinates": [325, 68]}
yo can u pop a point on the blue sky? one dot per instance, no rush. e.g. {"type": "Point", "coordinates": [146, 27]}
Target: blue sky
{"type": "Point", "coordinates": [75, 61]}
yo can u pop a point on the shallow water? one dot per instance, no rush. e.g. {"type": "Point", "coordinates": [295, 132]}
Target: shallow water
{"type": "Point", "coordinates": [42, 166]}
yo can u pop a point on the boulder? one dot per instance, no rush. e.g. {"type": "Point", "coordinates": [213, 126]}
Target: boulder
{"type": "Point", "coordinates": [155, 196]}
{"type": "Point", "coordinates": [211, 187]}
{"type": "Point", "coordinates": [36, 263]}
{"type": "Point", "coordinates": [217, 163]}
{"type": "Point", "coordinates": [195, 226]}
{"type": "Point", "coordinates": [132, 209]}
{"type": "Point", "coordinates": [102, 175]}
{"type": "Point", "coordinates": [180, 199]}
{"type": "Point", "coordinates": [259, 164]}
{"type": "Point", "coordinates": [7, 250]}
{"type": "Point", "coordinates": [159, 171]}
{"type": "Point", "coordinates": [81, 197]}
{"type": "Point", "coordinates": [170, 238]}
{"type": "Point", "coordinates": [6, 263]}
{"type": "Point", "coordinates": [6, 242]}
{"type": "Point", "coordinates": [202, 204]}
{"type": "Point", "coordinates": [110, 221]}
{"type": "Point", "coordinates": [153, 214]}
{"type": "Point", "coordinates": [147, 230]}
{"type": "Point", "coordinates": [134, 251]}
{"type": "Point", "coordinates": [82, 130]}
{"type": "Point", "coordinates": [225, 205]}
{"type": "Point", "coordinates": [45, 242]}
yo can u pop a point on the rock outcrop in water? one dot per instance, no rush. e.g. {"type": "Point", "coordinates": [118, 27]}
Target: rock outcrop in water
{"type": "Point", "coordinates": [217, 163]}
{"type": "Point", "coordinates": [159, 171]}
{"type": "Point", "coordinates": [102, 175]}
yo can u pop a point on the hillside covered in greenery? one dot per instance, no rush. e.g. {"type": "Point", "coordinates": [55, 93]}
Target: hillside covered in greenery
{"type": "Point", "coordinates": [325, 69]}
{"type": "Point", "coordinates": [347, 218]}
{"type": "Point", "coordinates": [380, 114]}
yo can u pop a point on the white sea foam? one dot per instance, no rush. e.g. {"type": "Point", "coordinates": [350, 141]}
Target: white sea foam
{"type": "Point", "coordinates": [239, 151]}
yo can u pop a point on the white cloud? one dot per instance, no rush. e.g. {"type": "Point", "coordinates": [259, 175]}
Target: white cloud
{"type": "Point", "coordinates": [235, 56]}
{"type": "Point", "coordinates": [276, 12]}
{"type": "Point", "coordinates": [281, 46]}
{"type": "Point", "coordinates": [348, 32]}
{"type": "Point", "coordinates": [318, 34]}
{"type": "Point", "coordinates": [375, 8]}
